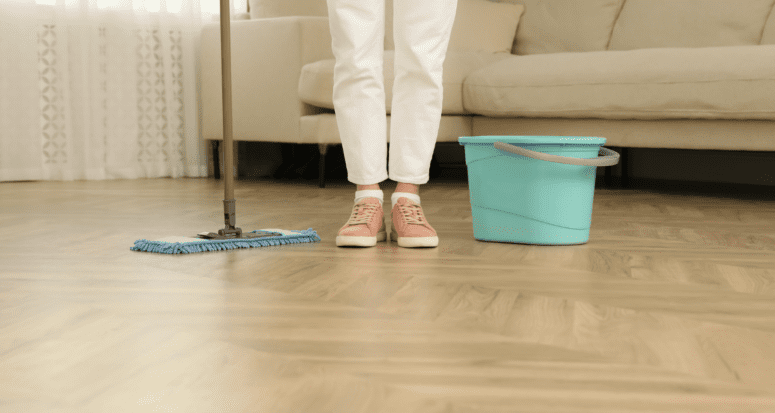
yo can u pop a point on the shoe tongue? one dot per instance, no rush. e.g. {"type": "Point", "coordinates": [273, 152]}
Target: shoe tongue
{"type": "Point", "coordinates": [415, 213]}
{"type": "Point", "coordinates": [361, 208]}
{"type": "Point", "coordinates": [407, 201]}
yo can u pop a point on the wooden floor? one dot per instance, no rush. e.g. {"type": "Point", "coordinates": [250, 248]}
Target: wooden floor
{"type": "Point", "coordinates": [670, 307]}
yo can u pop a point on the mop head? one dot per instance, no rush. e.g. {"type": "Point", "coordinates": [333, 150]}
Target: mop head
{"type": "Point", "coordinates": [188, 245]}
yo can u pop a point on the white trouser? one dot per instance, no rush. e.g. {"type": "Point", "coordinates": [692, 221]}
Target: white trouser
{"type": "Point", "coordinates": [421, 35]}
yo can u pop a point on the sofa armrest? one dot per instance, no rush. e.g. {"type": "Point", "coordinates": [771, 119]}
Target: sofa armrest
{"type": "Point", "coordinates": [266, 60]}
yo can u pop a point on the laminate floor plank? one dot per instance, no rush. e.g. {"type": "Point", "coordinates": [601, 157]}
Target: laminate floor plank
{"type": "Point", "coordinates": [670, 307]}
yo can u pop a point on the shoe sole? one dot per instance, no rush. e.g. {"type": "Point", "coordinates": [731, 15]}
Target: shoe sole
{"type": "Point", "coordinates": [351, 241]}
{"type": "Point", "coordinates": [414, 242]}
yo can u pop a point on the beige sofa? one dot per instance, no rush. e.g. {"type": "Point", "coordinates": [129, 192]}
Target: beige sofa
{"type": "Point", "coordinates": [683, 74]}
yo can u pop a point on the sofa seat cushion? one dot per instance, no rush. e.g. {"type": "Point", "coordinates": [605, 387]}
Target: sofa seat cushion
{"type": "Point", "coordinates": [735, 82]}
{"type": "Point", "coordinates": [316, 82]}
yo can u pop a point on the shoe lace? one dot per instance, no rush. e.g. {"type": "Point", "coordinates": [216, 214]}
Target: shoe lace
{"type": "Point", "coordinates": [412, 213]}
{"type": "Point", "coordinates": [362, 213]}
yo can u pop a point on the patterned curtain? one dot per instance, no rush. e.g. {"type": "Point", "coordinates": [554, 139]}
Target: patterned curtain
{"type": "Point", "coordinates": [104, 89]}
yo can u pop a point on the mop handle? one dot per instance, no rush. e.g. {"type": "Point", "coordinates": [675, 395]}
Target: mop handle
{"type": "Point", "coordinates": [610, 158]}
{"type": "Point", "coordinates": [228, 148]}
{"type": "Point", "coordinates": [226, 79]}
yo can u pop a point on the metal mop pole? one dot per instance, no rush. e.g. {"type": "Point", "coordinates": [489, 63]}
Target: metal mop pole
{"type": "Point", "coordinates": [229, 208]}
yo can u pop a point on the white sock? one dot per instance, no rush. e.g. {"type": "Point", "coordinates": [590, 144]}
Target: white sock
{"type": "Point", "coordinates": [396, 195]}
{"type": "Point", "coordinates": [369, 193]}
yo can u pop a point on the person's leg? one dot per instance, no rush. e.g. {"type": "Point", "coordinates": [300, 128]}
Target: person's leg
{"type": "Point", "coordinates": [367, 187]}
{"type": "Point", "coordinates": [401, 187]}
{"type": "Point", "coordinates": [421, 31]}
{"type": "Point", "coordinates": [357, 40]}
{"type": "Point", "coordinates": [410, 188]}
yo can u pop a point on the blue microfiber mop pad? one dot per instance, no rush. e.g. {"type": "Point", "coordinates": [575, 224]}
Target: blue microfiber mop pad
{"type": "Point", "coordinates": [187, 245]}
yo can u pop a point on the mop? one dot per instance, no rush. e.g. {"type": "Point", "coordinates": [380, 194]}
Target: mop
{"type": "Point", "coordinates": [229, 237]}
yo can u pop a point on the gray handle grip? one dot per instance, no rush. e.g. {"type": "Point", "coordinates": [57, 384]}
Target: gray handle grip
{"type": "Point", "coordinates": [610, 157]}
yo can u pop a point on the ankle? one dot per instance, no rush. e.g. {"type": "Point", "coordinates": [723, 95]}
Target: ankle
{"type": "Point", "coordinates": [367, 187]}
{"type": "Point", "coordinates": [408, 188]}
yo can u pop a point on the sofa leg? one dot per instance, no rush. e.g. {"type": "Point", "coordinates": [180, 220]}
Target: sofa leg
{"type": "Point", "coordinates": [608, 171]}
{"type": "Point", "coordinates": [323, 147]}
{"type": "Point", "coordinates": [236, 159]}
{"type": "Point", "coordinates": [625, 168]}
{"type": "Point", "coordinates": [608, 176]}
{"type": "Point", "coordinates": [216, 160]}
{"type": "Point", "coordinates": [435, 169]}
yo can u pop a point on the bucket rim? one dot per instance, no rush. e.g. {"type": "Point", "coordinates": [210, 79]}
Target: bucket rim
{"type": "Point", "coordinates": [533, 139]}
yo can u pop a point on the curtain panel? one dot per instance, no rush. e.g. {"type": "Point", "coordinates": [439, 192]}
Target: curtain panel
{"type": "Point", "coordinates": [94, 91]}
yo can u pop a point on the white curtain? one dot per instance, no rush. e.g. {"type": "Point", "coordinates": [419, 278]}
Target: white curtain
{"type": "Point", "coordinates": [101, 89]}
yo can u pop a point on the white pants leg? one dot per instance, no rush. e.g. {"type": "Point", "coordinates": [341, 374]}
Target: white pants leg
{"type": "Point", "coordinates": [357, 40]}
{"type": "Point", "coordinates": [421, 36]}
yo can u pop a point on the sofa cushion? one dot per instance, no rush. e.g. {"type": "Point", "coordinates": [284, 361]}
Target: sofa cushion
{"type": "Point", "coordinates": [689, 23]}
{"type": "Point", "coordinates": [553, 26]}
{"type": "Point", "coordinates": [637, 84]}
{"type": "Point", "coordinates": [479, 25]}
{"type": "Point", "coordinates": [483, 25]}
{"type": "Point", "coordinates": [316, 83]}
{"type": "Point", "coordinates": [768, 37]}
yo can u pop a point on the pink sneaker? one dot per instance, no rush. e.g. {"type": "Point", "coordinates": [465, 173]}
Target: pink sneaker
{"type": "Point", "coordinates": [365, 227]}
{"type": "Point", "coordinates": [409, 226]}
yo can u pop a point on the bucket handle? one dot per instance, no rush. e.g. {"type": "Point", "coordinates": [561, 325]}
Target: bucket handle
{"type": "Point", "coordinates": [610, 157]}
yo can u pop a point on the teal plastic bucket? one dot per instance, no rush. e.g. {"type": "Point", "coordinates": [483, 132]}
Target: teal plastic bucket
{"type": "Point", "coordinates": [533, 189]}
